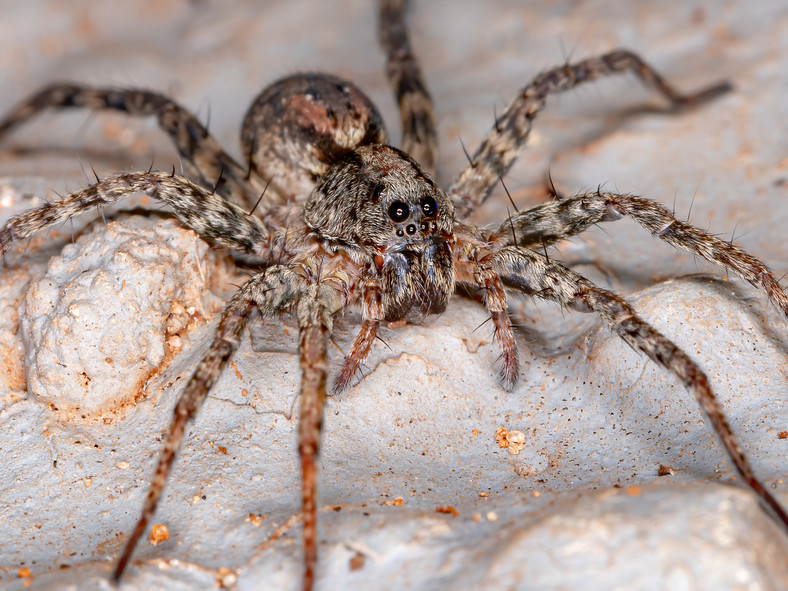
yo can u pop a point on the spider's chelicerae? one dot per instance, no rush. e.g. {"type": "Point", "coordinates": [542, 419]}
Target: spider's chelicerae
{"type": "Point", "coordinates": [341, 219]}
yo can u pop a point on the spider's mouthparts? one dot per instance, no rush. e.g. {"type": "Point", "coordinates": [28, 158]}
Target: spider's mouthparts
{"type": "Point", "coordinates": [416, 246]}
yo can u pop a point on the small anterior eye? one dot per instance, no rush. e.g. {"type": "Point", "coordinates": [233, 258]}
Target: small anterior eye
{"type": "Point", "coordinates": [398, 211]}
{"type": "Point", "coordinates": [429, 207]}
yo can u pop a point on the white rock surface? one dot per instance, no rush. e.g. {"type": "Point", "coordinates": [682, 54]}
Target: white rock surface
{"type": "Point", "coordinates": [110, 309]}
{"type": "Point", "coordinates": [422, 424]}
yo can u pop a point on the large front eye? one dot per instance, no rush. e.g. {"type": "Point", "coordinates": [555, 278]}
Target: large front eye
{"type": "Point", "coordinates": [429, 207]}
{"type": "Point", "coordinates": [398, 212]}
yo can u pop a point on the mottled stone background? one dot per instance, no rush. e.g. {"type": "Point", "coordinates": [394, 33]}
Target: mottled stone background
{"type": "Point", "coordinates": [581, 506]}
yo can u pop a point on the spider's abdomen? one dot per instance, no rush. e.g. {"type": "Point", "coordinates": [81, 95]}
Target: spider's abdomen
{"type": "Point", "coordinates": [388, 214]}
{"type": "Point", "coordinates": [300, 125]}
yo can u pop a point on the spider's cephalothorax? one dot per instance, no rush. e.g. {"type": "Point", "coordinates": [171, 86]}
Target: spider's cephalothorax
{"type": "Point", "coordinates": [351, 222]}
{"type": "Point", "coordinates": [389, 216]}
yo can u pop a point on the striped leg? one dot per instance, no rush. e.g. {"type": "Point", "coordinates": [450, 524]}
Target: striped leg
{"type": "Point", "coordinates": [419, 137]}
{"type": "Point", "coordinates": [499, 149]}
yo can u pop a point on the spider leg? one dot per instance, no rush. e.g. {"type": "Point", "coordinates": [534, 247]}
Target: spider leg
{"type": "Point", "coordinates": [494, 298]}
{"type": "Point", "coordinates": [315, 313]}
{"type": "Point", "coordinates": [201, 154]}
{"type": "Point", "coordinates": [271, 291]}
{"type": "Point", "coordinates": [372, 311]}
{"type": "Point", "coordinates": [361, 348]}
{"type": "Point", "coordinates": [419, 135]}
{"type": "Point", "coordinates": [550, 222]}
{"type": "Point", "coordinates": [211, 216]}
{"type": "Point", "coordinates": [533, 274]}
{"type": "Point", "coordinates": [496, 154]}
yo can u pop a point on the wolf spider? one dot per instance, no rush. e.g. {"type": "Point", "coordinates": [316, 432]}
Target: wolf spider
{"type": "Point", "coordinates": [345, 220]}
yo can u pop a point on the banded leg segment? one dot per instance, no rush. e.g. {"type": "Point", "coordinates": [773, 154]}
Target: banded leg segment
{"type": "Point", "coordinates": [494, 297]}
{"type": "Point", "coordinates": [271, 291]}
{"type": "Point", "coordinates": [533, 274]}
{"type": "Point", "coordinates": [315, 312]}
{"type": "Point", "coordinates": [547, 223]}
{"type": "Point", "coordinates": [372, 311]}
{"type": "Point", "coordinates": [499, 149]}
{"type": "Point", "coordinates": [419, 135]}
{"type": "Point", "coordinates": [212, 217]}
{"type": "Point", "coordinates": [200, 153]}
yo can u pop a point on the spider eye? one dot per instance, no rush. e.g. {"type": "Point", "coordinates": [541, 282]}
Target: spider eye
{"type": "Point", "coordinates": [398, 211]}
{"type": "Point", "coordinates": [429, 207]}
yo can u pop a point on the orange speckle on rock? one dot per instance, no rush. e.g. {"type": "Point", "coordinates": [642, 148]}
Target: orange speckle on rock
{"type": "Point", "coordinates": [447, 510]}
{"type": "Point", "coordinates": [634, 490]}
{"type": "Point", "coordinates": [500, 437]}
{"type": "Point", "coordinates": [159, 534]}
{"type": "Point", "coordinates": [237, 373]}
{"type": "Point", "coordinates": [356, 562]}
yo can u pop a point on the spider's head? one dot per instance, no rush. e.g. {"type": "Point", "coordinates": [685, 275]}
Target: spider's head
{"type": "Point", "coordinates": [376, 202]}
{"type": "Point", "coordinates": [379, 200]}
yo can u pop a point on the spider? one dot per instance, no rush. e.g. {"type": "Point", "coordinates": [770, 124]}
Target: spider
{"type": "Point", "coordinates": [348, 221]}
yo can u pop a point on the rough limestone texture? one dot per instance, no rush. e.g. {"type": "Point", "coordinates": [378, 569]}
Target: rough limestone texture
{"type": "Point", "coordinates": [109, 309]}
{"type": "Point", "coordinates": [419, 488]}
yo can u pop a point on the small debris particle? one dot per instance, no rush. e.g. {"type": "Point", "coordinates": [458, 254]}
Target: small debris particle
{"type": "Point", "coordinates": [122, 465]}
{"type": "Point", "coordinates": [159, 533]}
{"type": "Point", "coordinates": [227, 577]}
{"type": "Point", "coordinates": [492, 516]}
{"type": "Point", "coordinates": [634, 490]}
{"type": "Point", "coordinates": [237, 373]}
{"type": "Point", "coordinates": [24, 573]}
{"type": "Point", "coordinates": [221, 449]}
{"type": "Point", "coordinates": [475, 432]}
{"type": "Point", "coordinates": [484, 495]}
{"type": "Point", "coordinates": [665, 471]}
{"type": "Point", "coordinates": [244, 392]}
{"type": "Point", "coordinates": [514, 441]}
{"type": "Point", "coordinates": [782, 435]}
{"type": "Point", "coordinates": [398, 502]}
{"type": "Point", "coordinates": [448, 510]}
{"type": "Point", "coordinates": [500, 437]}
{"type": "Point", "coordinates": [196, 499]}
{"type": "Point", "coordinates": [356, 562]}
{"type": "Point", "coordinates": [256, 520]}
